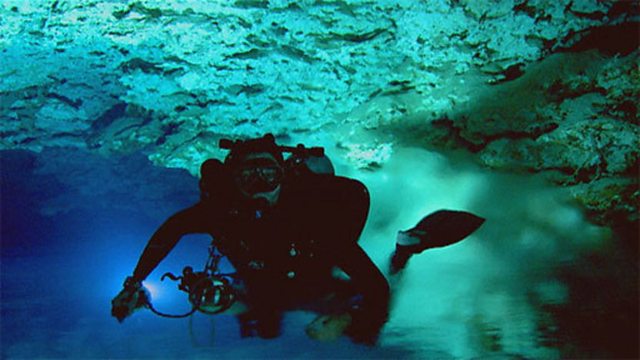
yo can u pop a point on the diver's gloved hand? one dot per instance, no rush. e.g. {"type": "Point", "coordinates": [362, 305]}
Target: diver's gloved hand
{"type": "Point", "coordinates": [132, 297]}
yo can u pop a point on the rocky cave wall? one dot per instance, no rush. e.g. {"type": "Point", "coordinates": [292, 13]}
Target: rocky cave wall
{"type": "Point", "coordinates": [525, 85]}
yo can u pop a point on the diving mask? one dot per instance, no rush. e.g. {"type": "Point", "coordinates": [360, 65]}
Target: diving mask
{"type": "Point", "coordinates": [259, 175]}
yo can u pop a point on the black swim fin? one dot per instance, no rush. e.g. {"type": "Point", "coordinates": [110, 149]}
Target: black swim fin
{"type": "Point", "coordinates": [446, 227]}
{"type": "Point", "coordinates": [438, 229]}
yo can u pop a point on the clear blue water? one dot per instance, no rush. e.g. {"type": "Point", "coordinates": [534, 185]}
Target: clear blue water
{"type": "Point", "coordinates": [74, 224]}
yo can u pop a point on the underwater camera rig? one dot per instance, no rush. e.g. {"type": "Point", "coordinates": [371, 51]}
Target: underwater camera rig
{"type": "Point", "coordinates": [210, 291]}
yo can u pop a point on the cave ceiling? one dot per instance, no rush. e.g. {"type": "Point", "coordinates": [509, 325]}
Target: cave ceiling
{"type": "Point", "coordinates": [537, 86]}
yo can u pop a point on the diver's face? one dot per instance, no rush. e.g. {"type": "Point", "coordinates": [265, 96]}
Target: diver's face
{"type": "Point", "coordinates": [259, 176]}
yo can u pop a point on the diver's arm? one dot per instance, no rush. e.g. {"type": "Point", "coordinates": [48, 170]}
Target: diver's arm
{"type": "Point", "coordinates": [133, 296]}
{"type": "Point", "coordinates": [165, 239]}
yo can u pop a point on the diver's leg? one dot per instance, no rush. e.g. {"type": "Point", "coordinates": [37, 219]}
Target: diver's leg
{"type": "Point", "coordinates": [399, 259]}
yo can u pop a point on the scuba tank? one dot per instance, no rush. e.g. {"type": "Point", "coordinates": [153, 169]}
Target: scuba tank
{"type": "Point", "coordinates": [304, 163]}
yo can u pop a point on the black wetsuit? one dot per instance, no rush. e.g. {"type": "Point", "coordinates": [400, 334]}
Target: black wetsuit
{"type": "Point", "coordinates": [286, 254]}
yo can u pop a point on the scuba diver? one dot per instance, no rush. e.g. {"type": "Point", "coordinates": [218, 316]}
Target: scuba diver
{"type": "Point", "coordinates": [290, 229]}
{"type": "Point", "coordinates": [284, 229]}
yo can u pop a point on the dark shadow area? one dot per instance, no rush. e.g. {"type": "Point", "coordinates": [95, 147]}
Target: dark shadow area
{"type": "Point", "coordinates": [610, 40]}
{"type": "Point", "coordinates": [601, 318]}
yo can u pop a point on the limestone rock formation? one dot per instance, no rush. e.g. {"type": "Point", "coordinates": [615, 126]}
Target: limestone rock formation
{"type": "Point", "coordinates": [531, 85]}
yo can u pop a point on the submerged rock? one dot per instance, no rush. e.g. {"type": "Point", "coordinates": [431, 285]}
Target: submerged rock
{"type": "Point", "coordinates": [528, 85]}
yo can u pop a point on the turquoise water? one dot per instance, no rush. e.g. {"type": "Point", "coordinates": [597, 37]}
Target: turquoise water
{"type": "Point", "coordinates": [90, 91]}
{"type": "Point", "coordinates": [525, 286]}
